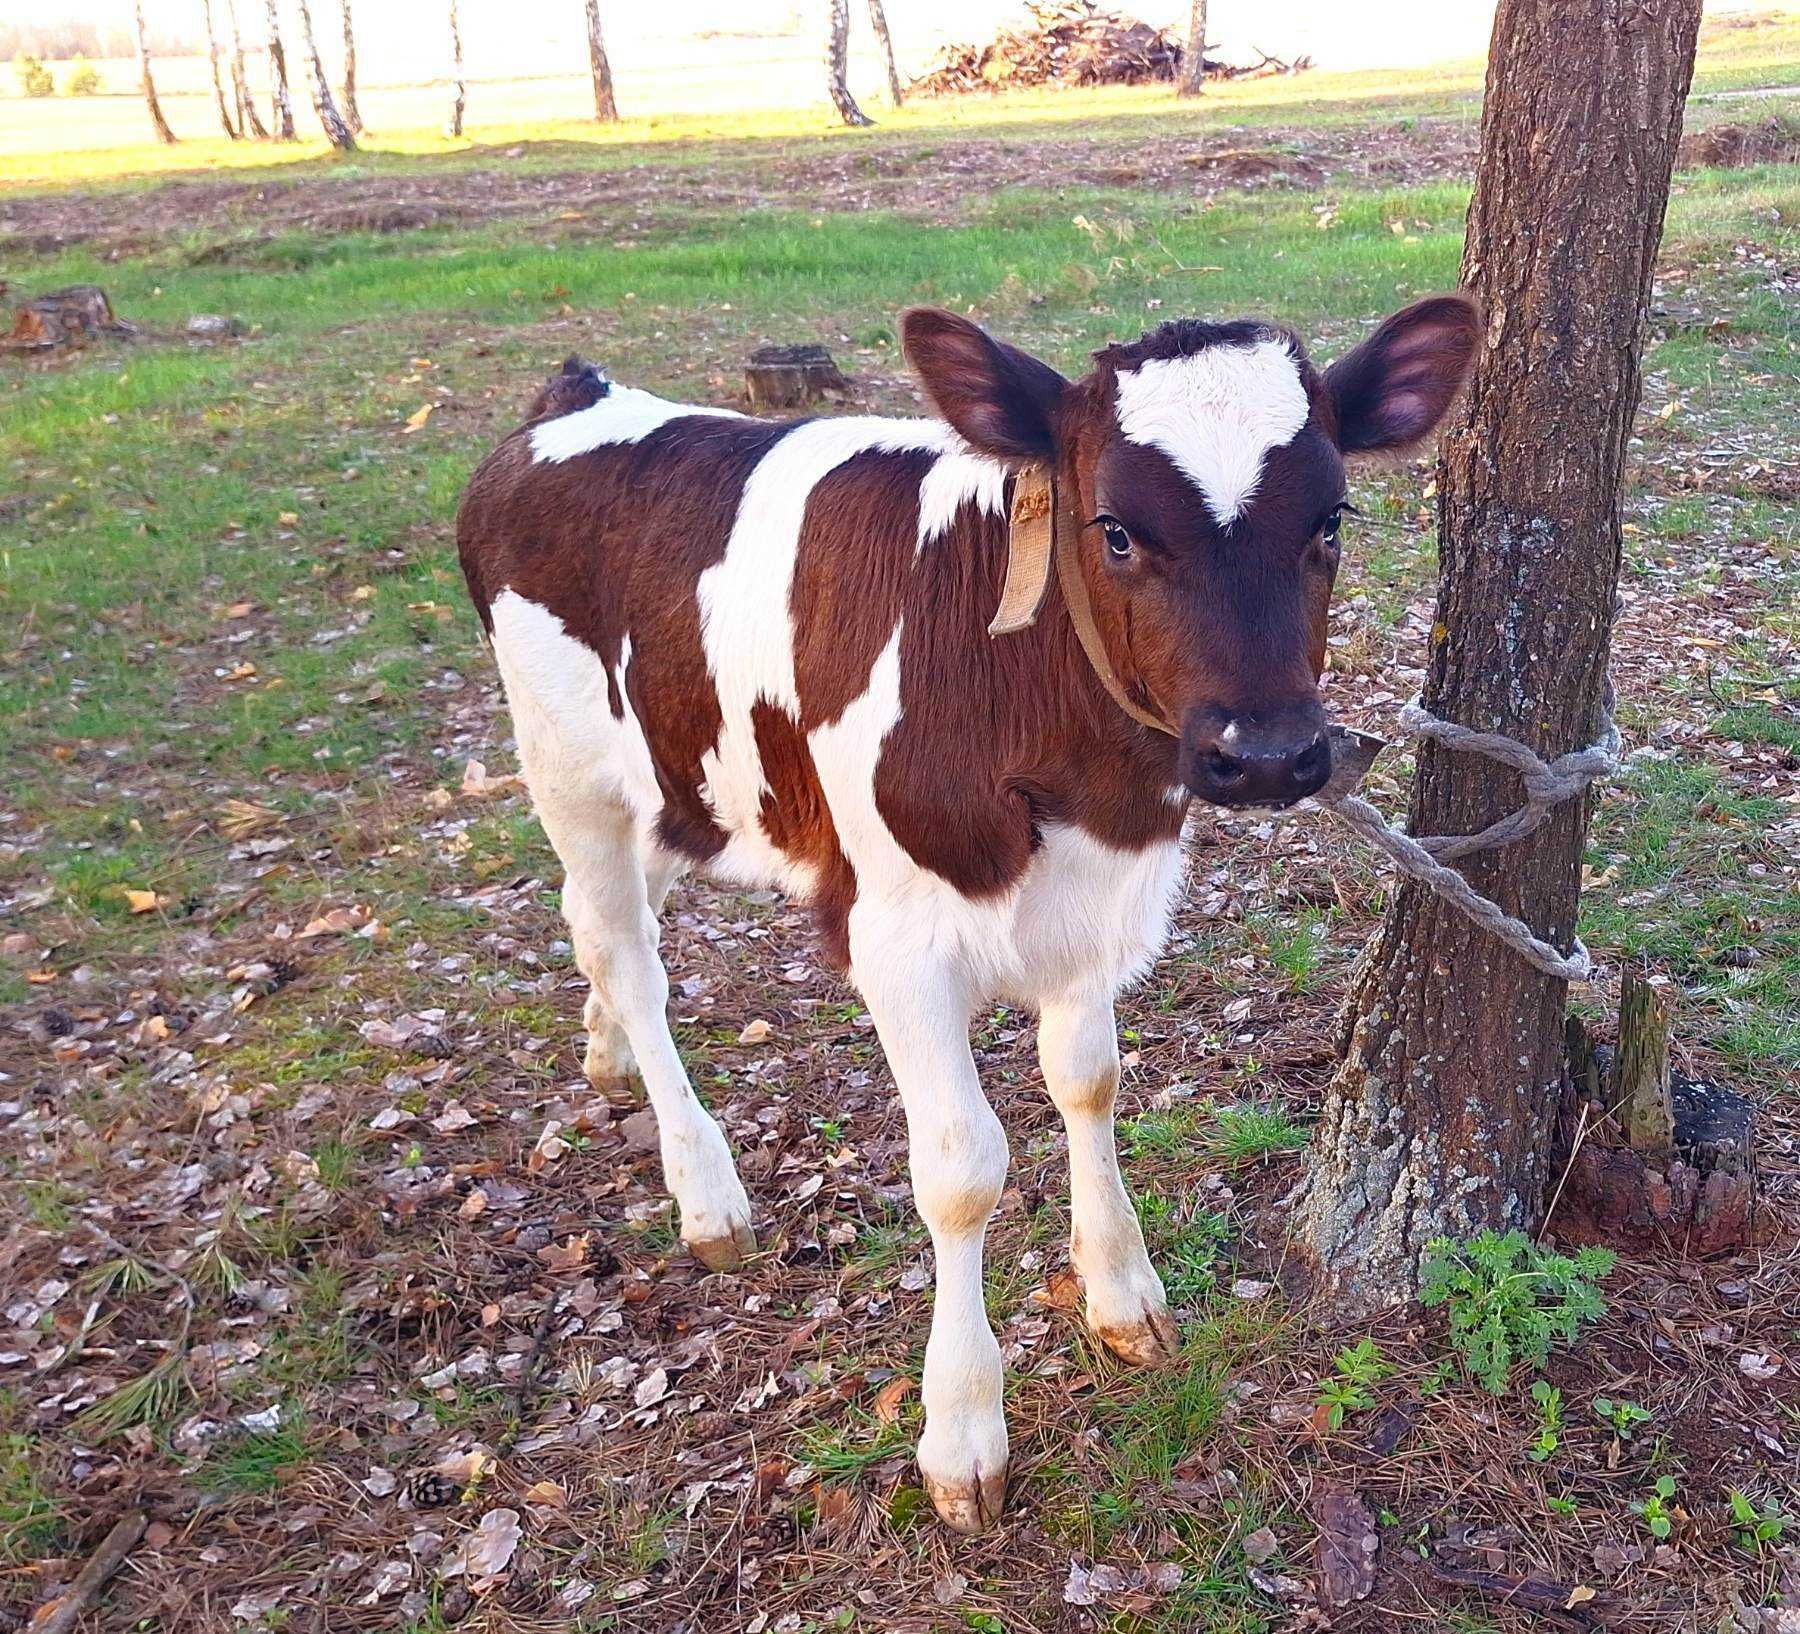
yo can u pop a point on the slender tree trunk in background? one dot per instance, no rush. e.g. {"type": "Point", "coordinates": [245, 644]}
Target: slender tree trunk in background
{"type": "Point", "coordinates": [1193, 59]}
{"type": "Point", "coordinates": [878, 20]}
{"type": "Point", "coordinates": [247, 117]}
{"type": "Point", "coordinates": [336, 131]}
{"type": "Point", "coordinates": [606, 107]}
{"type": "Point", "coordinates": [281, 103]}
{"type": "Point", "coordinates": [352, 113]}
{"type": "Point", "coordinates": [459, 90]}
{"type": "Point", "coordinates": [163, 133]}
{"type": "Point", "coordinates": [1441, 1117]}
{"type": "Point", "coordinates": [837, 62]}
{"type": "Point", "coordinates": [212, 56]}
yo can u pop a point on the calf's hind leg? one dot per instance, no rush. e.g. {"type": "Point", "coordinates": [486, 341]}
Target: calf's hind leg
{"type": "Point", "coordinates": [606, 898]}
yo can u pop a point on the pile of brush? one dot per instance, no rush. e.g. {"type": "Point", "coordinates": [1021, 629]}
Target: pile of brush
{"type": "Point", "coordinates": [1072, 42]}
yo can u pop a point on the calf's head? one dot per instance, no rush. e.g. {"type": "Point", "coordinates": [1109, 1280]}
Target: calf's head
{"type": "Point", "coordinates": [1203, 466]}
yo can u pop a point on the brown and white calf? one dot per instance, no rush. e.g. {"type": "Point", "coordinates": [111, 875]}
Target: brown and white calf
{"type": "Point", "coordinates": [762, 647]}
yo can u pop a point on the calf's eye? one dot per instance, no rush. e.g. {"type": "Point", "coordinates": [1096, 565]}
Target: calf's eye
{"type": "Point", "coordinates": [1118, 541]}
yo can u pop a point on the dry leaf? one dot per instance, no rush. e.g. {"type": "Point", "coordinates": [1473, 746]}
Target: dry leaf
{"type": "Point", "coordinates": [416, 421]}
{"type": "Point", "coordinates": [486, 1551]}
{"type": "Point", "coordinates": [144, 901]}
{"type": "Point", "coordinates": [755, 1032]}
{"type": "Point", "coordinates": [889, 1397]}
{"type": "Point", "coordinates": [568, 1255]}
{"type": "Point", "coordinates": [547, 1493]}
{"type": "Point", "coordinates": [288, 519]}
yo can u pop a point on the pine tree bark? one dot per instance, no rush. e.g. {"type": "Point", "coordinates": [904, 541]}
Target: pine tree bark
{"type": "Point", "coordinates": [837, 63]}
{"type": "Point", "coordinates": [1193, 59]}
{"type": "Point", "coordinates": [1440, 1119]}
{"type": "Point", "coordinates": [878, 21]}
{"type": "Point", "coordinates": [352, 113]}
{"type": "Point", "coordinates": [212, 57]}
{"type": "Point", "coordinates": [337, 132]}
{"type": "Point", "coordinates": [247, 117]}
{"type": "Point", "coordinates": [606, 107]}
{"type": "Point", "coordinates": [281, 103]}
{"type": "Point", "coordinates": [459, 90]}
{"type": "Point", "coordinates": [163, 133]}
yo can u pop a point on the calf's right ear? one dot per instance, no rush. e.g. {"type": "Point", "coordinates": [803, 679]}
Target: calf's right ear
{"type": "Point", "coordinates": [1001, 401]}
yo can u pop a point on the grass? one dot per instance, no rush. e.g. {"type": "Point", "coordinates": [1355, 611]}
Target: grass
{"type": "Point", "coordinates": [255, 1463]}
{"type": "Point", "coordinates": [30, 1516]}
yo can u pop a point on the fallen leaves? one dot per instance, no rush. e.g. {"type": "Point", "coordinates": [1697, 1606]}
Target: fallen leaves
{"type": "Point", "coordinates": [486, 1551]}
{"type": "Point", "coordinates": [477, 784]}
{"type": "Point", "coordinates": [417, 419]}
{"type": "Point", "coordinates": [1346, 1547]}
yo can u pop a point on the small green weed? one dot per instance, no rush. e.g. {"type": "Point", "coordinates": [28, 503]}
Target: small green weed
{"type": "Point", "coordinates": [1508, 1299]}
{"type": "Point", "coordinates": [1623, 1417]}
{"type": "Point", "coordinates": [1359, 1368]}
{"type": "Point", "coordinates": [1550, 1421]}
{"type": "Point", "coordinates": [29, 1516]}
{"type": "Point", "coordinates": [1654, 1510]}
{"type": "Point", "coordinates": [1751, 1527]}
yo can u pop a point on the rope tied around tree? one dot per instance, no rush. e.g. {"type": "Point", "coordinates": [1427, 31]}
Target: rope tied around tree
{"type": "Point", "coordinates": [1548, 784]}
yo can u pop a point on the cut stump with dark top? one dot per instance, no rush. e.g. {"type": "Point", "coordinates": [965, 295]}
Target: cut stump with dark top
{"type": "Point", "coordinates": [1663, 1159]}
{"type": "Point", "coordinates": [65, 317]}
{"type": "Point", "coordinates": [783, 377]}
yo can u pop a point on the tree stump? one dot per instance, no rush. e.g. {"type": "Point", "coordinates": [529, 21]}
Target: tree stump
{"type": "Point", "coordinates": [1664, 1160]}
{"type": "Point", "coordinates": [65, 317]}
{"type": "Point", "coordinates": [781, 377]}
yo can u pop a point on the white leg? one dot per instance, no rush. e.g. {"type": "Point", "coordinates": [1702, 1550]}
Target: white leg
{"type": "Point", "coordinates": [609, 1064]}
{"type": "Point", "coordinates": [1126, 1307]}
{"type": "Point", "coordinates": [957, 1152]}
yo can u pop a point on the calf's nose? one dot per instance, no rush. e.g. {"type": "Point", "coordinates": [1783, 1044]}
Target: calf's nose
{"type": "Point", "coordinates": [1244, 765]}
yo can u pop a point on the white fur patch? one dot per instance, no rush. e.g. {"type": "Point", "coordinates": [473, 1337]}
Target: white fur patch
{"type": "Point", "coordinates": [746, 627]}
{"type": "Point", "coordinates": [955, 479]}
{"type": "Point", "coordinates": [1216, 415]}
{"type": "Point", "coordinates": [623, 415]}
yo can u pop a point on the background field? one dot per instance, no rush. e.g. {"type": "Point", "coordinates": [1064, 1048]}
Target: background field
{"type": "Point", "coordinates": [290, 1012]}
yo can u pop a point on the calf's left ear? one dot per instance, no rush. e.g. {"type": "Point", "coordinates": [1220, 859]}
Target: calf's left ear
{"type": "Point", "coordinates": [1000, 400]}
{"type": "Point", "coordinates": [1395, 387]}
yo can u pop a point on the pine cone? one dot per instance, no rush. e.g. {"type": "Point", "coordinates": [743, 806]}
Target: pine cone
{"type": "Point", "coordinates": [432, 1489]}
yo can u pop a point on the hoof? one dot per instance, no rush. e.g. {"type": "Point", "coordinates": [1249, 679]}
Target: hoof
{"type": "Point", "coordinates": [1152, 1340]}
{"type": "Point", "coordinates": [617, 1089]}
{"type": "Point", "coordinates": [971, 1505]}
{"type": "Point", "coordinates": [723, 1253]}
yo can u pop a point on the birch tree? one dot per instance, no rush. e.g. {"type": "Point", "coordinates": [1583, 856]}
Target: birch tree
{"type": "Point", "coordinates": [352, 113]}
{"type": "Point", "coordinates": [248, 118]}
{"type": "Point", "coordinates": [459, 90]}
{"type": "Point", "coordinates": [161, 125]}
{"type": "Point", "coordinates": [606, 107]}
{"type": "Point", "coordinates": [837, 63]}
{"type": "Point", "coordinates": [281, 102]}
{"type": "Point", "coordinates": [878, 21]}
{"type": "Point", "coordinates": [212, 57]}
{"type": "Point", "coordinates": [1193, 59]}
{"type": "Point", "coordinates": [337, 132]}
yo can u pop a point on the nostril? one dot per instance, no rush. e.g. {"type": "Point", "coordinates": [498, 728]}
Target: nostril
{"type": "Point", "coordinates": [1221, 768]}
{"type": "Point", "coordinates": [1313, 762]}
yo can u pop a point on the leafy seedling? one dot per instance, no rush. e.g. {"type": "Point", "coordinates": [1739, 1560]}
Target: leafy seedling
{"type": "Point", "coordinates": [1753, 1527]}
{"type": "Point", "coordinates": [1550, 1421]}
{"type": "Point", "coordinates": [1623, 1416]}
{"type": "Point", "coordinates": [1351, 1388]}
{"type": "Point", "coordinates": [1655, 1510]}
{"type": "Point", "coordinates": [1508, 1299]}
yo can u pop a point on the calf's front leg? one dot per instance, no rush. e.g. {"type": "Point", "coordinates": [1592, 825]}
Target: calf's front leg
{"type": "Point", "coordinates": [1127, 1310]}
{"type": "Point", "coordinates": [958, 1156]}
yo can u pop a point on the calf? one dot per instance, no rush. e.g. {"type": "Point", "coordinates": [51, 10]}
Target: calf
{"type": "Point", "coordinates": [764, 648]}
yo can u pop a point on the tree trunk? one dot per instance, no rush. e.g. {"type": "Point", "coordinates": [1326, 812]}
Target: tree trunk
{"type": "Point", "coordinates": [212, 56]}
{"type": "Point", "coordinates": [878, 20]}
{"type": "Point", "coordinates": [163, 133]}
{"type": "Point", "coordinates": [352, 113]}
{"type": "Point", "coordinates": [1193, 59]}
{"type": "Point", "coordinates": [280, 102]}
{"type": "Point", "coordinates": [336, 131]}
{"type": "Point", "coordinates": [247, 117]}
{"type": "Point", "coordinates": [459, 90]}
{"type": "Point", "coordinates": [837, 62]}
{"type": "Point", "coordinates": [1439, 1121]}
{"type": "Point", "coordinates": [606, 107]}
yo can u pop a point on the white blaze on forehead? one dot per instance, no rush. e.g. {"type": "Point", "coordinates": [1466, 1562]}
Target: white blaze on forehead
{"type": "Point", "coordinates": [1216, 414]}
